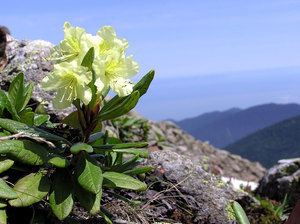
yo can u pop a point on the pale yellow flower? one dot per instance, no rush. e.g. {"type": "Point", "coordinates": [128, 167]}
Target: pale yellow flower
{"type": "Point", "coordinates": [110, 65]}
{"type": "Point", "coordinates": [71, 83]}
{"type": "Point", "coordinates": [75, 45]}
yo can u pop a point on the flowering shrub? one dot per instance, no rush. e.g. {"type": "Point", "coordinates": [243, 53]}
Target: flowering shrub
{"type": "Point", "coordinates": [56, 169]}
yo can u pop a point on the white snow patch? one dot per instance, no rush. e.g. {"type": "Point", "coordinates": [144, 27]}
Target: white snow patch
{"type": "Point", "coordinates": [236, 183]}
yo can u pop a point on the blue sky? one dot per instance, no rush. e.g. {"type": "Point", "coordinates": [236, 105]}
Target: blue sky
{"type": "Point", "coordinates": [189, 43]}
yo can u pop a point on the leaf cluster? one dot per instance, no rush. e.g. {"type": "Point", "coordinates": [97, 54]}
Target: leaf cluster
{"type": "Point", "coordinates": [50, 169]}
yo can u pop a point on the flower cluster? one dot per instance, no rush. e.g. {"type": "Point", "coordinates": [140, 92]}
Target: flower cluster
{"type": "Point", "coordinates": [110, 68]}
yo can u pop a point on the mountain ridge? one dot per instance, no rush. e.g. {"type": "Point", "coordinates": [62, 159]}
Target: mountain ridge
{"type": "Point", "coordinates": [267, 146]}
{"type": "Point", "coordinates": [224, 128]}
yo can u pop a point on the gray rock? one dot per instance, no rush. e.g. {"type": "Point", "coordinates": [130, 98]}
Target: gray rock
{"type": "Point", "coordinates": [204, 192]}
{"type": "Point", "coordinates": [167, 135]}
{"type": "Point", "coordinates": [30, 57]}
{"type": "Point", "coordinates": [281, 179]}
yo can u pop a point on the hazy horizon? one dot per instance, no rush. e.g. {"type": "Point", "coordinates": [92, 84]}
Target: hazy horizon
{"type": "Point", "coordinates": [208, 55]}
{"type": "Point", "coordinates": [190, 96]}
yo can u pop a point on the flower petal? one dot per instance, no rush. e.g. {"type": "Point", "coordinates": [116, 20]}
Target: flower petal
{"type": "Point", "coordinates": [84, 94]}
{"type": "Point", "coordinates": [59, 101]}
{"type": "Point", "coordinates": [121, 87]}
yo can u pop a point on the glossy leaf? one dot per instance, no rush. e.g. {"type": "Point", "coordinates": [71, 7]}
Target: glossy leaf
{"type": "Point", "coordinates": [72, 120]}
{"type": "Point", "coordinates": [17, 127]}
{"type": "Point", "coordinates": [142, 86]}
{"type": "Point", "coordinates": [240, 213]}
{"type": "Point", "coordinates": [142, 153]}
{"type": "Point", "coordinates": [128, 104]}
{"type": "Point", "coordinates": [139, 170]}
{"type": "Point", "coordinates": [88, 59]}
{"type": "Point", "coordinates": [122, 167]}
{"type": "Point", "coordinates": [40, 109]}
{"type": "Point", "coordinates": [124, 145]}
{"type": "Point", "coordinates": [59, 162]}
{"type": "Point", "coordinates": [88, 173]}
{"type": "Point", "coordinates": [15, 92]}
{"type": "Point", "coordinates": [3, 204]}
{"type": "Point", "coordinates": [27, 118]}
{"type": "Point", "coordinates": [30, 189]}
{"type": "Point", "coordinates": [40, 119]}
{"type": "Point", "coordinates": [6, 192]}
{"type": "Point", "coordinates": [5, 164]}
{"type": "Point", "coordinates": [24, 151]}
{"type": "Point", "coordinates": [4, 102]}
{"type": "Point", "coordinates": [61, 197]}
{"type": "Point", "coordinates": [5, 106]}
{"type": "Point", "coordinates": [88, 200]}
{"type": "Point", "coordinates": [27, 94]}
{"type": "Point", "coordinates": [95, 137]}
{"type": "Point", "coordinates": [120, 180]}
{"type": "Point", "coordinates": [75, 149]}
{"type": "Point", "coordinates": [3, 216]}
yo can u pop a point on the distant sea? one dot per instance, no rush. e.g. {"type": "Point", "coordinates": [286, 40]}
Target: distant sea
{"type": "Point", "coordinates": [188, 96]}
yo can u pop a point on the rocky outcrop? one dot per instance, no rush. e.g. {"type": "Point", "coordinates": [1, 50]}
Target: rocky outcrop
{"type": "Point", "coordinates": [169, 136]}
{"type": "Point", "coordinates": [282, 179]}
{"type": "Point", "coordinates": [208, 197]}
{"type": "Point", "coordinates": [181, 188]}
{"type": "Point", "coordinates": [30, 57]}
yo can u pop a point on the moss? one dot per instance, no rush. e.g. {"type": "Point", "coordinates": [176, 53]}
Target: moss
{"type": "Point", "coordinates": [230, 213]}
{"type": "Point", "coordinates": [221, 183]}
{"type": "Point", "coordinates": [204, 163]}
{"type": "Point", "coordinates": [285, 171]}
{"type": "Point", "coordinates": [204, 181]}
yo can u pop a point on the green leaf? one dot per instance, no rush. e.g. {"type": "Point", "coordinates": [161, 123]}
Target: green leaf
{"type": "Point", "coordinates": [124, 145]}
{"type": "Point", "coordinates": [281, 208]}
{"type": "Point", "coordinates": [142, 153]}
{"type": "Point", "coordinates": [5, 164]}
{"type": "Point", "coordinates": [88, 59]}
{"type": "Point", "coordinates": [240, 213]}
{"type": "Point", "coordinates": [78, 147]}
{"type": "Point", "coordinates": [2, 204]}
{"type": "Point", "coordinates": [88, 173]}
{"type": "Point", "coordinates": [27, 95]}
{"type": "Point", "coordinates": [133, 202]}
{"type": "Point", "coordinates": [142, 86]}
{"type": "Point", "coordinates": [88, 200]}
{"type": "Point", "coordinates": [40, 109]}
{"type": "Point", "coordinates": [15, 92]}
{"type": "Point", "coordinates": [128, 104]}
{"type": "Point", "coordinates": [24, 151]}
{"type": "Point", "coordinates": [120, 180]}
{"type": "Point", "coordinates": [5, 105]}
{"type": "Point", "coordinates": [40, 119]}
{"type": "Point", "coordinates": [59, 162]}
{"type": "Point", "coordinates": [72, 120]}
{"type": "Point", "coordinates": [139, 170]}
{"type": "Point", "coordinates": [98, 128]}
{"type": "Point", "coordinates": [3, 216]}
{"type": "Point", "coordinates": [95, 137]}
{"type": "Point", "coordinates": [61, 197]}
{"type": "Point", "coordinates": [17, 127]}
{"type": "Point", "coordinates": [122, 167]}
{"type": "Point", "coordinates": [27, 118]}
{"type": "Point", "coordinates": [106, 215]}
{"type": "Point", "coordinates": [30, 189]}
{"type": "Point", "coordinates": [6, 192]}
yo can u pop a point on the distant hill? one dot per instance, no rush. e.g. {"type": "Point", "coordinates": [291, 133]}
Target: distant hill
{"type": "Point", "coordinates": [267, 146]}
{"type": "Point", "coordinates": [224, 128]}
